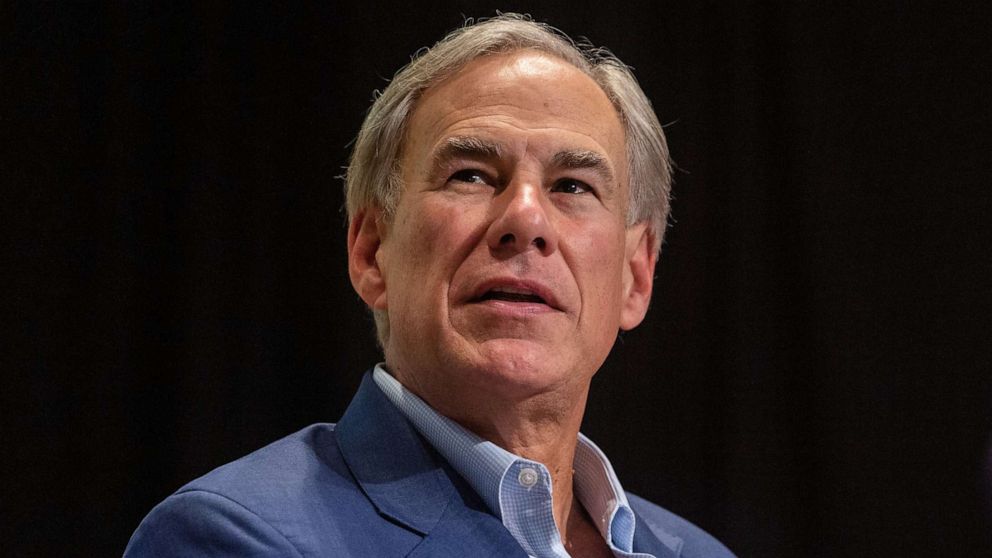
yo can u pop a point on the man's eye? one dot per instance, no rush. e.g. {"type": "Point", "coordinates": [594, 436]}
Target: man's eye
{"type": "Point", "coordinates": [469, 175]}
{"type": "Point", "coordinates": [571, 186]}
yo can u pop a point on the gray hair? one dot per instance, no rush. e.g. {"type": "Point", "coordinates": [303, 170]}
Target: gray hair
{"type": "Point", "coordinates": [372, 179]}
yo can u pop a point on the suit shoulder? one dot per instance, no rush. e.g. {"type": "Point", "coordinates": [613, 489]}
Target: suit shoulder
{"type": "Point", "coordinates": [196, 523]}
{"type": "Point", "coordinates": [289, 462]}
{"type": "Point", "coordinates": [696, 543]}
{"type": "Point", "coordinates": [301, 475]}
{"type": "Point", "coordinates": [295, 489]}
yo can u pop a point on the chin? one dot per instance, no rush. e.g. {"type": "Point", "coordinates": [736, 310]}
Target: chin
{"type": "Point", "coordinates": [522, 366]}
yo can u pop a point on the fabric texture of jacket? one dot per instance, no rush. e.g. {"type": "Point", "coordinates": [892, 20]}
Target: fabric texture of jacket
{"type": "Point", "coordinates": [369, 486]}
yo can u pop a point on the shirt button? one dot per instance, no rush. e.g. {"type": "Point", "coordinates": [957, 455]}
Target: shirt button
{"type": "Point", "coordinates": [527, 477]}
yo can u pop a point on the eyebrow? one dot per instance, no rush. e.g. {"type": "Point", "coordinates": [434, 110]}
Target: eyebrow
{"type": "Point", "coordinates": [471, 147]}
{"type": "Point", "coordinates": [467, 147]}
{"type": "Point", "coordinates": [582, 159]}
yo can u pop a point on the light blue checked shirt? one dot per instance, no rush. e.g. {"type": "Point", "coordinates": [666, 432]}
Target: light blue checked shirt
{"type": "Point", "coordinates": [518, 490]}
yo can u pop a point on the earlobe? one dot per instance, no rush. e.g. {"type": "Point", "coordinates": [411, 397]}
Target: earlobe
{"type": "Point", "coordinates": [365, 237]}
{"type": "Point", "coordinates": [640, 259]}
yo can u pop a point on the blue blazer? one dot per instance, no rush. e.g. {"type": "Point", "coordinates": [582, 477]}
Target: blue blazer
{"type": "Point", "coordinates": [368, 487]}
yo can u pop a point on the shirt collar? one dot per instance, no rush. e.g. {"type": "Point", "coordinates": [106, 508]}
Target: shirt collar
{"type": "Point", "coordinates": [484, 464]}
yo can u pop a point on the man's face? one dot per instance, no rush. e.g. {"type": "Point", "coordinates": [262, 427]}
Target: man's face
{"type": "Point", "coordinates": [507, 267]}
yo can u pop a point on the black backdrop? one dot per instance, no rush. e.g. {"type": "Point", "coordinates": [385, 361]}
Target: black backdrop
{"type": "Point", "coordinates": [813, 378]}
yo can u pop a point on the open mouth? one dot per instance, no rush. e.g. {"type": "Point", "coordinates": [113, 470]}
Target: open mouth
{"type": "Point", "coordinates": [511, 295]}
{"type": "Point", "coordinates": [520, 294]}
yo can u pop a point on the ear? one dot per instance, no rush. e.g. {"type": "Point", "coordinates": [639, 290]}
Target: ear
{"type": "Point", "coordinates": [365, 236]}
{"type": "Point", "coordinates": [638, 275]}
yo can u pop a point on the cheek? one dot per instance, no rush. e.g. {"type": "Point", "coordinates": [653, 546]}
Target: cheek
{"type": "Point", "coordinates": [431, 242]}
{"type": "Point", "coordinates": [601, 274]}
{"type": "Point", "coordinates": [602, 252]}
{"type": "Point", "coordinates": [445, 233]}
{"type": "Point", "coordinates": [419, 238]}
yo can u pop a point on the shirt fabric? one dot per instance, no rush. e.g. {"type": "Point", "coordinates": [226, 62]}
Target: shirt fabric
{"type": "Point", "coordinates": [519, 490]}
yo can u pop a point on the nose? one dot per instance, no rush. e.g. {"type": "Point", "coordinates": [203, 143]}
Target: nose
{"type": "Point", "coordinates": [522, 221]}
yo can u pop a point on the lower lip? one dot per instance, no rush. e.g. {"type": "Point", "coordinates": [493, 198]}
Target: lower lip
{"type": "Point", "coordinates": [514, 308]}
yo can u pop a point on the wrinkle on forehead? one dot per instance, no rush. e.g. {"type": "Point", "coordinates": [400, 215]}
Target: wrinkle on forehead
{"type": "Point", "coordinates": [528, 92]}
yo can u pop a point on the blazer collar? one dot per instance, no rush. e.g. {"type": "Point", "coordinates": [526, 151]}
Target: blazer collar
{"type": "Point", "coordinates": [408, 482]}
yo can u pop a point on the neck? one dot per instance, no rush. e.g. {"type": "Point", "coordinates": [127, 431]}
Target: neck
{"type": "Point", "coordinates": [542, 430]}
{"type": "Point", "coordinates": [541, 427]}
{"type": "Point", "coordinates": [549, 440]}
{"type": "Point", "coordinates": [557, 452]}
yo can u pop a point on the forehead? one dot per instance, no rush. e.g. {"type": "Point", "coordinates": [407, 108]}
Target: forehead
{"type": "Point", "coordinates": [523, 96]}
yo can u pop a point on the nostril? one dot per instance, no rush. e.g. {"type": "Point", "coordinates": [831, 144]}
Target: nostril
{"type": "Point", "coordinates": [540, 243]}
{"type": "Point", "coordinates": [506, 239]}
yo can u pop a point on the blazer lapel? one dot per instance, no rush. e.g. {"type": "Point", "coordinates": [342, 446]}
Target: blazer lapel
{"type": "Point", "coordinates": [408, 482]}
{"type": "Point", "coordinates": [392, 465]}
{"type": "Point", "coordinates": [467, 528]}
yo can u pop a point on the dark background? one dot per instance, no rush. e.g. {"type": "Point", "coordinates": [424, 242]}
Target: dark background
{"type": "Point", "coordinates": [813, 378]}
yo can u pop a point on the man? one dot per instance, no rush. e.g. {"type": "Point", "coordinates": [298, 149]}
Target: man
{"type": "Point", "coordinates": [507, 197]}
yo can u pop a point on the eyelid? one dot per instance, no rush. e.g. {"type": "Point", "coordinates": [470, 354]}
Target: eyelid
{"type": "Point", "coordinates": [483, 175]}
{"type": "Point", "coordinates": [587, 186]}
